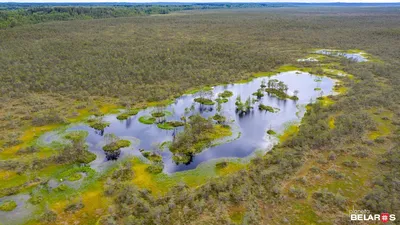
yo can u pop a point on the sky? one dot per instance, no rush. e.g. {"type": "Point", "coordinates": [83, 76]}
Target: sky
{"type": "Point", "coordinates": [243, 1]}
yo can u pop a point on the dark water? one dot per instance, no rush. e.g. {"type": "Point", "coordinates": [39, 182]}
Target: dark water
{"type": "Point", "coordinates": [252, 126]}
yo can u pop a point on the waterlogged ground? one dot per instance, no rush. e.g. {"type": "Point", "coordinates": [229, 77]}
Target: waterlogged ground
{"type": "Point", "coordinates": [249, 130]}
{"type": "Point", "coordinates": [358, 56]}
{"type": "Point", "coordinates": [249, 137]}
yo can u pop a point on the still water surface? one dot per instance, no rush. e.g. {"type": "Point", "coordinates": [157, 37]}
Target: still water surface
{"type": "Point", "coordinates": [249, 130]}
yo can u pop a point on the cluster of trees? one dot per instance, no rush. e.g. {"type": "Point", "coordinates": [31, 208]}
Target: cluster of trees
{"type": "Point", "coordinates": [211, 202]}
{"type": "Point", "coordinates": [279, 89]}
{"type": "Point", "coordinates": [197, 135]}
{"type": "Point", "coordinates": [81, 60]}
{"type": "Point", "coordinates": [385, 196]}
{"type": "Point", "coordinates": [12, 18]}
{"type": "Point", "coordinates": [244, 107]}
{"type": "Point", "coordinates": [74, 153]}
{"type": "Point", "coordinates": [19, 14]}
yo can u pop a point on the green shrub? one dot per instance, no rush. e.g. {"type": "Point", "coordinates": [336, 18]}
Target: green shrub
{"type": "Point", "coordinates": [99, 125]}
{"type": "Point", "coordinates": [114, 146]}
{"type": "Point", "coordinates": [298, 193]}
{"type": "Point", "coordinates": [170, 125]}
{"type": "Point", "coordinates": [266, 108]}
{"type": "Point", "coordinates": [351, 164]}
{"type": "Point", "coordinates": [48, 216]}
{"type": "Point", "coordinates": [8, 205]}
{"type": "Point", "coordinates": [221, 165]}
{"type": "Point", "coordinates": [75, 177]}
{"type": "Point", "coordinates": [335, 174]}
{"type": "Point", "coordinates": [73, 207]}
{"type": "Point", "coordinates": [326, 198]}
{"type": "Point", "coordinates": [126, 115]}
{"type": "Point", "coordinates": [155, 168]}
{"type": "Point", "coordinates": [221, 100]}
{"type": "Point", "coordinates": [61, 188]}
{"type": "Point", "coordinates": [147, 119]}
{"type": "Point", "coordinates": [204, 101]}
{"type": "Point", "coordinates": [158, 114]}
{"type": "Point", "coordinates": [225, 94]}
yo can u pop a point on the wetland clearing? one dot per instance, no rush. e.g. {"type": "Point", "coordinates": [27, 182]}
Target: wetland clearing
{"type": "Point", "coordinates": [197, 113]}
{"type": "Point", "coordinates": [245, 119]}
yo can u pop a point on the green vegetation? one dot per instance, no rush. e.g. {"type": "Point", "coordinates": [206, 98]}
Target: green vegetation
{"type": "Point", "coordinates": [127, 114]}
{"type": "Point", "coordinates": [147, 119]}
{"type": "Point", "coordinates": [98, 123]}
{"type": "Point", "coordinates": [116, 145]}
{"type": "Point", "coordinates": [197, 135]}
{"type": "Point", "coordinates": [225, 94]}
{"type": "Point", "coordinates": [57, 73]}
{"type": "Point", "coordinates": [279, 89]}
{"type": "Point", "coordinates": [221, 100]}
{"type": "Point", "coordinates": [266, 108]}
{"type": "Point", "coordinates": [204, 101]}
{"type": "Point", "coordinates": [75, 177]}
{"type": "Point", "coordinates": [158, 114]}
{"type": "Point", "coordinates": [8, 205]}
{"type": "Point", "coordinates": [154, 157]}
{"type": "Point", "coordinates": [113, 146]}
{"type": "Point", "coordinates": [243, 107]}
{"type": "Point", "coordinates": [271, 132]}
{"type": "Point", "coordinates": [31, 13]}
{"type": "Point", "coordinates": [155, 168]}
{"type": "Point", "coordinates": [219, 118]}
{"type": "Point", "coordinates": [170, 125]}
{"type": "Point", "coordinates": [221, 165]}
{"type": "Point", "coordinates": [259, 93]}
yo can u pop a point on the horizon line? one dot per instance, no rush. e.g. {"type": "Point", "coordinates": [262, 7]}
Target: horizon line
{"type": "Point", "coordinates": [209, 2]}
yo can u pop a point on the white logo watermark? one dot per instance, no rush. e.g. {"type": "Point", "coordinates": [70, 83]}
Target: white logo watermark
{"type": "Point", "coordinates": [366, 215]}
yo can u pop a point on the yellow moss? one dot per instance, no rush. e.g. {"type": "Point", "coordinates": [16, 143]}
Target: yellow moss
{"type": "Point", "coordinates": [160, 103]}
{"type": "Point", "coordinates": [95, 205]}
{"type": "Point", "coordinates": [341, 90]}
{"type": "Point", "coordinates": [6, 175]}
{"type": "Point", "coordinates": [29, 135]}
{"type": "Point", "coordinates": [11, 178]}
{"type": "Point", "coordinates": [286, 68]}
{"type": "Point", "coordinates": [161, 183]}
{"type": "Point", "coordinates": [264, 74]}
{"type": "Point", "coordinates": [220, 132]}
{"type": "Point", "coordinates": [230, 168]}
{"type": "Point", "coordinates": [142, 178]}
{"type": "Point", "coordinates": [326, 101]}
{"type": "Point", "coordinates": [331, 122]}
{"type": "Point", "coordinates": [236, 213]}
{"type": "Point", "coordinates": [384, 127]}
{"type": "Point", "coordinates": [109, 108]}
{"type": "Point", "coordinates": [243, 81]}
{"type": "Point", "coordinates": [289, 131]}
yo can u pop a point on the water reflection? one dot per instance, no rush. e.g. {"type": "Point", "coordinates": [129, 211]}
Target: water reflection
{"type": "Point", "coordinates": [358, 57]}
{"type": "Point", "coordinates": [252, 126]}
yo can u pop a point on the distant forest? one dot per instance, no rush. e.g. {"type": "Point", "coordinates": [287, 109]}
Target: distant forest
{"type": "Point", "coordinates": [15, 14]}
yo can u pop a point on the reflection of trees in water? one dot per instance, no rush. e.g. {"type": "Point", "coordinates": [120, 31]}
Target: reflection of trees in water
{"type": "Point", "coordinates": [205, 108]}
{"type": "Point", "coordinates": [112, 155]}
{"type": "Point", "coordinates": [160, 120]}
{"type": "Point", "coordinates": [99, 132]}
{"type": "Point", "coordinates": [190, 156]}
{"type": "Point", "coordinates": [243, 114]}
{"type": "Point", "coordinates": [128, 122]}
